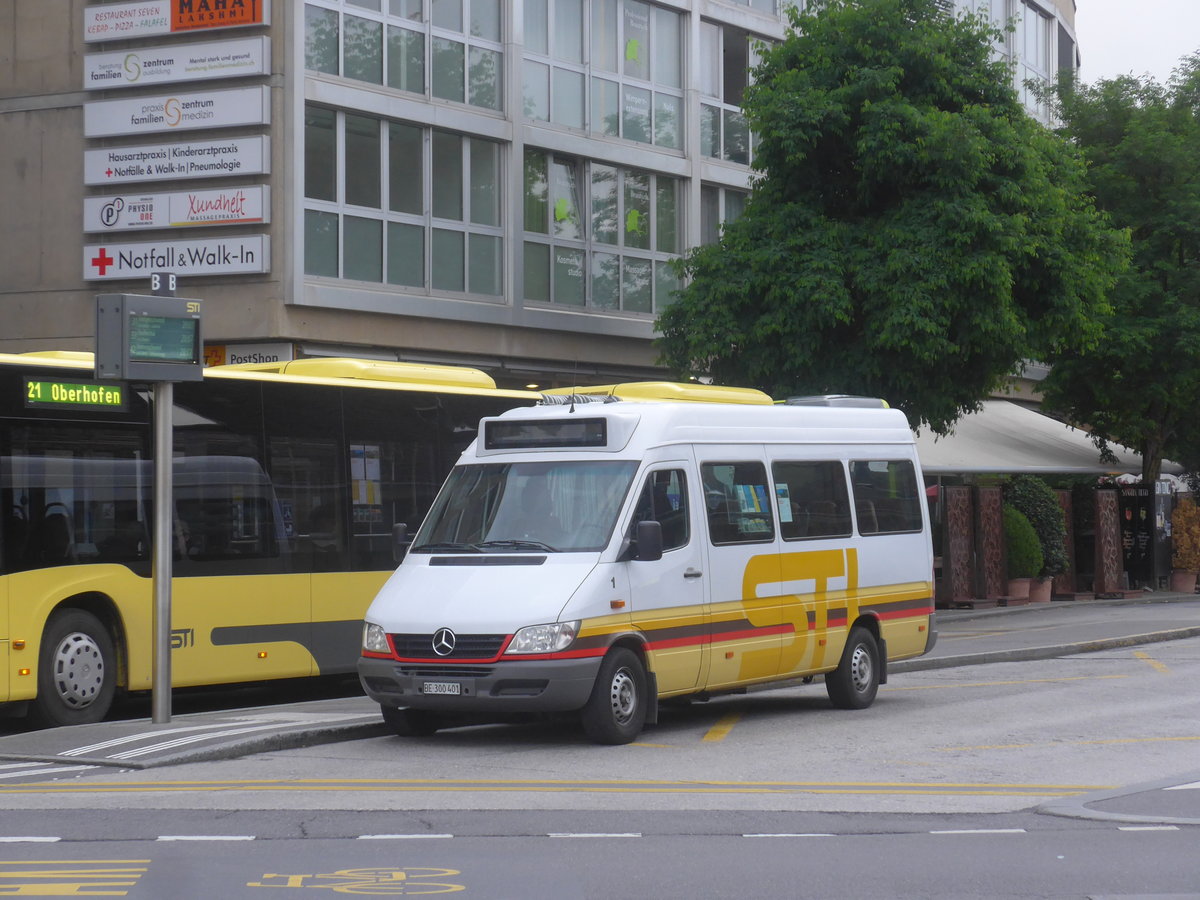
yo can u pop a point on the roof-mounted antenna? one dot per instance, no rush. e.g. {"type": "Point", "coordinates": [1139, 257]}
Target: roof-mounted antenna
{"type": "Point", "coordinates": [574, 384]}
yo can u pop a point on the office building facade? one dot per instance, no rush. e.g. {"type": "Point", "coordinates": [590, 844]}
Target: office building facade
{"type": "Point", "coordinates": [495, 183]}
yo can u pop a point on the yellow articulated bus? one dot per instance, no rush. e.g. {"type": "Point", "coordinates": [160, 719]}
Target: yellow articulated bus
{"type": "Point", "coordinates": [288, 480]}
{"type": "Point", "coordinates": [596, 557]}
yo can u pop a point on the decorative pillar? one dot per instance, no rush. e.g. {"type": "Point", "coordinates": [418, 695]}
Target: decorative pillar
{"type": "Point", "coordinates": [991, 575]}
{"type": "Point", "coordinates": [1066, 583]}
{"type": "Point", "coordinates": [1108, 543]}
{"type": "Point", "coordinates": [958, 571]}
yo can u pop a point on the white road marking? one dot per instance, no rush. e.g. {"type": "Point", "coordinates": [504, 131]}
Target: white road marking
{"type": "Point", "coordinates": [29, 840]}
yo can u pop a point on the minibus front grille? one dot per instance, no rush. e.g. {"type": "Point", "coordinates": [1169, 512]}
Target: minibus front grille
{"type": "Point", "coordinates": [443, 671]}
{"type": "Point", "coordinates": [466, 646]}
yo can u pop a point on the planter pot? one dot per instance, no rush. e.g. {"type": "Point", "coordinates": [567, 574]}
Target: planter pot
{"type": "Point", "coordinates": [1040, 589]}
{"type": "Point", "coordinates": [1183, 581]}
{"type": "Point", "coordinates": [1018, 588]}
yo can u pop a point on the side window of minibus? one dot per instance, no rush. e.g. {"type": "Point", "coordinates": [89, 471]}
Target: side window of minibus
{"type": "Point", "coordinates": [886, 499]}
{"type": "Point", "coordinates": [664, 500]}
{"type": "Point", "coordinates": [737, 501]}
{"type": "Point", "coordinates": [813, 499]}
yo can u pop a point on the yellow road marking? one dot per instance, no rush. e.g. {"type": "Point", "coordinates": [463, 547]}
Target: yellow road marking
{"type": "Point", "coordinates": [621, 787]}
{"type": "Point", "coordinates": [721, 730]}
{"type": "Point", "coordinates": [966, 684]}
{"type": "Point", "coordinates": [1102, 741]}
{"type": "Point", "coordinates": [1154, 663]}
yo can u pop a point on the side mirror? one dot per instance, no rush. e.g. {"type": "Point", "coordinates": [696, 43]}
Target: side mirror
{"type": "Point", "coordinates": [400, 541]}
{"type": "Point", "coordinates": [649, 541]}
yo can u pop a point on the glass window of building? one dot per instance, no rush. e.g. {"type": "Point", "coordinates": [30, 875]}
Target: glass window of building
{"type": "Point", "coordinates": [449, 49]}
{"type": "Point", "coordinates": [612, 67]}
{"type": "Point", "coordinates": [719, 206]}
{"type": "Point", "coordinates": [600, 236]}
{"type": "Point", "coordinates": [398, 203]}
{"type": "Point", "coordinates": [727, 57]}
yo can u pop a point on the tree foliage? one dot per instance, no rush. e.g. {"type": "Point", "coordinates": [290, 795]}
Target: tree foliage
{"type": "Point", "coordinates": [1139, 385]}
{"type": "Point", "coordinates": [912, 233]}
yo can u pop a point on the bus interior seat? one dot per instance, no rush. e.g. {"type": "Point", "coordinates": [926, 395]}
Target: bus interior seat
{"type": "Point", "coordinates": [868, 522]}
{"type": "Point", "coordinates": [57, 536]}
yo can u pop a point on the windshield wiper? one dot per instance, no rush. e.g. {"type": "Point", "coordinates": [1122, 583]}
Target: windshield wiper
{"type": "Point", "coordinates": [446, 545]}
{"type": "Point", "coordinates": [517, 545]}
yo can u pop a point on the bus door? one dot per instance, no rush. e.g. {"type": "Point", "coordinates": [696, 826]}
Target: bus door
{"type": "Point", "coordinates": [668, 597]}
{"type": "Point", "coordinates": [743, 569]}
{"type": "Point", "coordinates": [5, 637]}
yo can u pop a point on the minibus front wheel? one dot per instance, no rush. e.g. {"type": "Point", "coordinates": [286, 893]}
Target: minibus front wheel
{"type": "Point", "coordinates": [616, 710]}
{"type": "Point", "coordinates": [854, 683]}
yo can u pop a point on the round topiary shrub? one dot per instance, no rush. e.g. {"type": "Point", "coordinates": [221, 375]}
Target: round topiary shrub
{"type": "Point", "coordinates": [1036, 500]}
{"type": "Point", "coordinates": [1021, 541]}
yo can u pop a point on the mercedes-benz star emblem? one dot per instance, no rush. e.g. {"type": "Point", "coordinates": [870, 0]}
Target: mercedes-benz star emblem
{"type": "Point", "coordinates": [443, 642]}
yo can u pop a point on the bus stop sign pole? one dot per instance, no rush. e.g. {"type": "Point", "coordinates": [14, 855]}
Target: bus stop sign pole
{"type": "Point", "coordinates": [157, 340]}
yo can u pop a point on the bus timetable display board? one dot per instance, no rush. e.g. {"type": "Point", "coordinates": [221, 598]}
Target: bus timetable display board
{"type": "Point", "coordinates": [144, 338]}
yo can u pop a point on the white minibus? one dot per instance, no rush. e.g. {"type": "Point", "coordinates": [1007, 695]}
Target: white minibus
{"type": "Point", "coordinates": [598, 557]}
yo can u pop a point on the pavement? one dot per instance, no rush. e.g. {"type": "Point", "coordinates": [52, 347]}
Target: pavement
{"type": "Point", "coordinates": [966, 637]}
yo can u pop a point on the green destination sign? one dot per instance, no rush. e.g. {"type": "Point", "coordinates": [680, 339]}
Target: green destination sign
{"type": "Point", "coordinates": [41, 394]}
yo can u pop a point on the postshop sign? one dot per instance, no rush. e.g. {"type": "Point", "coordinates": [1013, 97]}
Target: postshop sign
{"type": "Point", "coordinates": [117, 21]}
{"type": "Point", "coordinates": [180, 62]}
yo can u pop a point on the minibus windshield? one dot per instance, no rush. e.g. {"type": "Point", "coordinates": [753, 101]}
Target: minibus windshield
{"type": "Point", "coordinates": [565, 506]}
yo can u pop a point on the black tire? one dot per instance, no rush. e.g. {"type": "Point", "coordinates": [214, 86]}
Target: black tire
{"type": "Point", "coordinates": [77, 671]}
{"type": "Point", "coordinates": [855, 682]}
{"type": "Point", "coordinates": [616, 710]}
{"type": "Point", "coordinates": [410, 722]}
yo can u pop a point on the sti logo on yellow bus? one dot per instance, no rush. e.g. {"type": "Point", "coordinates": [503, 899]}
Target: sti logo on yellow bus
{"type": "Point", "coordinates": [73, 394]}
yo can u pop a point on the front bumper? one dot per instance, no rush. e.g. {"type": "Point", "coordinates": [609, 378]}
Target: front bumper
{"type": "Point", "coordinates": [555, 685]}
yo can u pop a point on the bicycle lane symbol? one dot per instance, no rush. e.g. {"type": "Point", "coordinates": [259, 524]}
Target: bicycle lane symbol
{"type": "Point", "coordinates": [376, 882]}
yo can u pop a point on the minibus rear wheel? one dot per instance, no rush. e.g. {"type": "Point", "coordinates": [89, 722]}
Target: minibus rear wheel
{"type": "Point", "coordinates": [410, 722]}
{"type": "Point", "coordinates": [616, 710]}
{"type": "Point", "coordinates": [855, 682]}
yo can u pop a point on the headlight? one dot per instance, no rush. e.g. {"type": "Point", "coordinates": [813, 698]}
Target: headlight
{"type": "Point", "coordinates": [544, 638]}
{"type": "Point", "coordinates": [375, 639]}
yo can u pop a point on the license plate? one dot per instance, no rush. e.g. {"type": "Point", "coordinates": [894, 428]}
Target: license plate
{"type": "Point", "coordinates": [441, 687]}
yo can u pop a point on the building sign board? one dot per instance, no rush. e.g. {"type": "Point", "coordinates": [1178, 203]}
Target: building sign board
{"type": "Point", "coordinates": [237, 354]}
{"type": "Point", "coordinates": [118, 21]}
{"type": "Point", "coordinates": [247, 205]}
{"type": "Point", "coordinates": [178, 112]}
{"type": "Point", "coordinates": [236, 255]}
{"type": "Point", "coordinates": [161, 162]}
{"type": "Point", "coordinates": [180, 62]}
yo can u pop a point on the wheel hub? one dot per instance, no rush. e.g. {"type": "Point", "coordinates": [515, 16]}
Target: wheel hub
{"type": "Point", "coordinates": [78, 670]}
{"type": "Point", "coordinates": [623, 695]}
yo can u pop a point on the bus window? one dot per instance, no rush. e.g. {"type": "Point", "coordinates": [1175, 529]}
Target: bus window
{"type": "Point", "coordinates": [664, 500]}
{"type": "Point", "coordinates": [739, 509]}
{"type": "Point", "coordinates": [813, 500]}
{"type": "Point", "coordinates": [886, 498]}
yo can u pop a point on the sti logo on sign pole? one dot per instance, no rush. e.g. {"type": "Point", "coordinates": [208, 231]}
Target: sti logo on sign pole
{"type": "Point", "coordinates": [240, 255]}
{"type": "Point", "coordinates": [147, 18]}
{"type": "Point", "coordinates": [178, 112]}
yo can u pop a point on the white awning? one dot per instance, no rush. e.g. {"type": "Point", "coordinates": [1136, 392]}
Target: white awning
{"type": "Point", "coordinates": [1007, 438]}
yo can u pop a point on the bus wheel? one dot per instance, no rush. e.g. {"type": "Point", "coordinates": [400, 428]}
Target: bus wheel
{"type": "Point", "coordinates": [616, 710]}
{"type": "Point", "coordinates": [410, 722]}
{"type": "Point", "coordinates": [77, 674]}
{"type": "Point", "coordinates": [854, 683]}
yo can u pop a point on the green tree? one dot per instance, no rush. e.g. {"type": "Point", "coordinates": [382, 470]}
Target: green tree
{"type": "Point", "coordinates": [912, 233]}
{"type": "Point", "coordinates": [1139, 385]}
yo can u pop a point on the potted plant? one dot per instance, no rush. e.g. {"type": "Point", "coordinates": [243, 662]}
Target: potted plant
{"type": "Point", "coordinates": [1024, 552]}
{"type": "Point", "coordinates": [1185, 546]}
{"type": "Point", "coordinates": [1035, 499]}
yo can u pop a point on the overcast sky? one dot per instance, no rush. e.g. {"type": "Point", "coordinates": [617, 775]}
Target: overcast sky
{"type": "Point", "coordinates": [1122, 37]}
